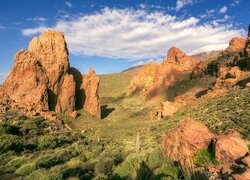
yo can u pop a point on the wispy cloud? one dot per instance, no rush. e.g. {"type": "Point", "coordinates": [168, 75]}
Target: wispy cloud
{"type": "Point", "coordinates": [33, 31]}
{"type": "Point", "coordinates": [235, 3]}
{"type": "Point", "coordinates": [138, 34]}
{"type": "Point", "coordinates": [68, 4]}
{"type": "Point", "coordinates": [37, 19]}
{"type": "Point", "coordinates": [182, 3]}
{"type": "Point", "coordinates": [223, 9]}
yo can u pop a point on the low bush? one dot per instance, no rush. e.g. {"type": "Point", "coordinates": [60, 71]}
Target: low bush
{"type": "Point", "coordinates": [10, 142]}
{"type": "Point", "coordinates": [47, 141]}
{"type": "Point", "coordinates": [105, 166]}
{"type": "Point", "coordinates": [26, 169]}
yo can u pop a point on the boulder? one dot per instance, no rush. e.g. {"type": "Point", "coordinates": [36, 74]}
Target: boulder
{"type": "Point", "coordinates": [184, 142]}
{"type": "Point", "coordinates": [230, 147]}
{"type": "Point", "coordinates": [90, 86]}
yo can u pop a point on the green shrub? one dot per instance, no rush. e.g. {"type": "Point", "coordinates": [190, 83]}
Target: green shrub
{"type": "Point", "coordinates": [47, 141]}
{"type": "Point", "coordinates": [156, 158]}
{"type": "Point", "coordinates": [10, 142]}
{"type": "Point", "coordinates": [204, 158]}
{"type": "Point", "coordinates": [167, 171]}
{"type": "Point", "coordinates": [16, 163]}
{"type": "Point", "coordinates": [8, 129]}
{"type": "Point", "coordinates": [104, 167]}
{"type": "Point", "coordinates": [26, 169]}
{"type": "Point", "coordinates": [49, 160]}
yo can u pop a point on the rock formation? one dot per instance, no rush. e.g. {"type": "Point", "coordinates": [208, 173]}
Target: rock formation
{"type": "Point", "coordinates": [90, 86]}
{"type": "Point", "coordinates": [236, 44]}
{"type": "Point", "coordinates": [186, 140]}
{"type": "Point", "coordinates": [155, 78]}
{"type": "Point", "coordinates": [230, 147]}
{"type": "Point", "coordinates": [227, 77]}
{"type": "Point", "coordinates": [41, 77]}
{"type": "Point", "coordinates": [230, 150]}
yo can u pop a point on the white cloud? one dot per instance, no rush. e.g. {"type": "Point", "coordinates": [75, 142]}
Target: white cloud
{"type": "Point", "coordinates": [181, 3]}
{"type": "Point", "coordinates": [137, 34]}
{"type": "Point", "coordinates": [37, 19]}
{"type": "Point", "coordinates": [223, 10]}
{"type": "Point", "coordinates": [2, 77]}
{"type": "Point", "coordinates": [141, 63]}
{"type": "Point", "coordinates": [68, 4]}
{"type": "Point", "coordinates": [33, 31]}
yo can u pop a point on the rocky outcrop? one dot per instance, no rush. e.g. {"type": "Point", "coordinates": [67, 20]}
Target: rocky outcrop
{"type": "Point", "coordinates": [27, 82]}
{"type": "Point", "coordinates": [230, 147]}
{"type": "Point", "coordinates": [227, 77]}
{"type": "Point", "coordinates": [154, 78]}
{"type": "Point", "coordinates": [90, 86]}
{"type": "Point", "coordinates": [236, 44]}
{"type": "Point", "coordinates": [186, 140]}
{"type": "Point", "coordinates": [230, 150]}
{"type": "Point", "coordinates": [42, 79]}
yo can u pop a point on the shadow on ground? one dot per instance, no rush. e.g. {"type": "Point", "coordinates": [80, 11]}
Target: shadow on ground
{"type": "Point", "coordinates": [105, 111]}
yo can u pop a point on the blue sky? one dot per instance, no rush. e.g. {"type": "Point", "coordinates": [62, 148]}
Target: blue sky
{"type": "Point", "coordinates": [112, 35]}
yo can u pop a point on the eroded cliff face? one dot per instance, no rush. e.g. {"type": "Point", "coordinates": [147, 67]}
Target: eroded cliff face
{"type": "Point", "coordinates": [42, 79]}
{"type": "Point", "coordinates": [154, 78]}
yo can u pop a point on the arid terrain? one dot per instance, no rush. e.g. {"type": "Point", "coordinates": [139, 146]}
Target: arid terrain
{"type": "Point", "coordinates": [187, 117]}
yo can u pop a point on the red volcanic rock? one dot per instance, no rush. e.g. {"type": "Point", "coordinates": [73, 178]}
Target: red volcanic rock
{"type": "Point", "coordinates": [229, 148]}
{"type": "Point", "coordinates": [186, 140]}
{"type": "Point", "coordinates": [227, 77]}
{"type": "Point", "coordinates": [198, 70]}
{"type": "Point", "coordinates": [90, 86]}
{"type": "Point", "coordinates": [41, 79]}
{"type": "Point", "coordinates": [145, 78]}
{"type": "Point", "coordinates": [67, 98]}
{"type": "Point", "coordinates": [236, 44]}
{"type": "Point", "coordinates": [154, 78]}
{"type": "Point", "coordinates": [27, 82]}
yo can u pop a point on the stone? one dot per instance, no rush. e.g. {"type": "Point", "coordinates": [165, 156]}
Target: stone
{"type": "Point", "coordinates": [230, 147]}
{"type": "Point", "coordinates": [90, 86]}
{"type": "Point", "coordinates": [184, 142]}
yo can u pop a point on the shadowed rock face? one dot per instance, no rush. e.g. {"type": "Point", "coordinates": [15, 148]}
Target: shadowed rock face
{"type": "Point", "coordinates": [154, 78]}
{"type": "Point", "coordinates": [42, 79]}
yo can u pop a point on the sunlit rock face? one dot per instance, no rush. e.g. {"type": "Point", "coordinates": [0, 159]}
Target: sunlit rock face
{"type": "Point", "coordinates": [154, 78]}
{"type": "Point", "coordinates": [42, 78]}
